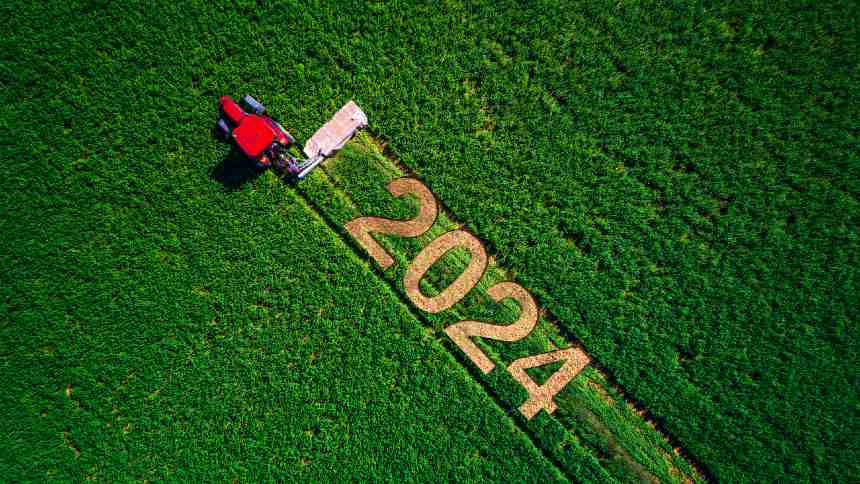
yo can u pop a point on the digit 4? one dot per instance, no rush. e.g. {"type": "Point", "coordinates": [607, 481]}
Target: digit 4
{"type": "Point", "coordinates": [541, 396]}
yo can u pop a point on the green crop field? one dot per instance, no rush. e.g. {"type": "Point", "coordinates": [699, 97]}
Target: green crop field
{"type": "Point", "coordinates": [676, 185]}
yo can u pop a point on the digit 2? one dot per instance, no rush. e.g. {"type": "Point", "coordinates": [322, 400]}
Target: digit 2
{"type": "Point", "coordinates": [462, 332]}
{"type": "Point", "coordinates": [361, 227]}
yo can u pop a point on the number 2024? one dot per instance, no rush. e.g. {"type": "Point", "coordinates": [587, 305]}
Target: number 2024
{"type": "Point", "coordinates": [461, 333]}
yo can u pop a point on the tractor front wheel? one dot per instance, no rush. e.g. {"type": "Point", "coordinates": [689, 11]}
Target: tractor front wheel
{"type": "Point", "coordinates": [253, 104]}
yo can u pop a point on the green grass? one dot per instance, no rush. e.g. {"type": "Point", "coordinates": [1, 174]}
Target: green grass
{"type": "Point", "coordinates": [207, 335]}
{"type": "Point", "coordinates": [675, 182]}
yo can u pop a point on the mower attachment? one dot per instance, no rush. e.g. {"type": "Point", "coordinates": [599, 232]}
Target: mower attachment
{"type": "Point", "coordinates": [333, 135]}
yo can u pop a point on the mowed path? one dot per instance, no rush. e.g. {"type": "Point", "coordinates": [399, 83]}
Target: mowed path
{"type": "Point", "coordinates": [595, 431]}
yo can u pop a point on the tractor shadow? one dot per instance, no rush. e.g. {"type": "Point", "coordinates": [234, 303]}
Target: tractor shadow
{"type": "Point", "coordinates": [234, 170]}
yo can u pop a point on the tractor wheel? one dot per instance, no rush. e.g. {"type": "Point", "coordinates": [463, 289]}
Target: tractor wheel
{"type": "Point", "coordinates": [222, 128]}
{"type": "Point", "coordinates": [253, 104]}
{"type": "Point", "coordinates": [280, 164]}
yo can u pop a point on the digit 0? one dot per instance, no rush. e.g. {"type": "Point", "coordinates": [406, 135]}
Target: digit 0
{"type": "Point", "coordinates": [433, 252]}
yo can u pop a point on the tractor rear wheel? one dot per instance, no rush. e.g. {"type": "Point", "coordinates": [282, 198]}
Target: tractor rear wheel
{"type": "Point", "coordinates": [222, 128]}
{"type": "Point", "coordinates": [280, 163]}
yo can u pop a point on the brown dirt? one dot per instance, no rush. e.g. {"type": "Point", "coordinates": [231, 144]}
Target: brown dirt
{"type": "Point", "coordinates": [68, 441]}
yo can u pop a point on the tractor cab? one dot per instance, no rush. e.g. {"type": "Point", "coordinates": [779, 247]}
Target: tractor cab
{"type": "Point", "coordinates": [259, 137]}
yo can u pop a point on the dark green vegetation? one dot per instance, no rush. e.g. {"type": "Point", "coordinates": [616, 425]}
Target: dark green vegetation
{"type": "Point", "coordinates": [676, 183]}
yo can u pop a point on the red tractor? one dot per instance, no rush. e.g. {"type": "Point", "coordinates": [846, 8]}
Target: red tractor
{"type": "Point", "coordinates": [265, 142]}
{"type": "Point", "coordinates": [262, 139]}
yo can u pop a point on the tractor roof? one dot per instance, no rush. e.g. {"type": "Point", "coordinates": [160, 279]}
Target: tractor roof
{"type": "Point", "coordinates": [253, 135]}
